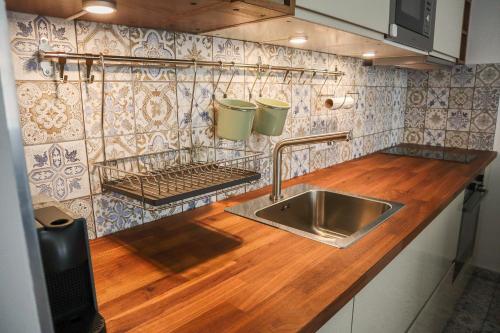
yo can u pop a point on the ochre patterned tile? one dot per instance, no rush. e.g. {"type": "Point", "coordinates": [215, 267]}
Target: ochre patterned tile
{"type": "Point", "coordinates": [436, 118]}
{"type": "Point", "coordinates": [155, 106]}
{"type": "Point", "coordinates": [27, 31]}
{"type": "Point", "coordinates": [416, 97]}
{"type": "Point", "coordinates": [157, 141]}
{"type": "Point", "coordinates": [415, 117]}
{"type": "Point", "coordinates": [82, 207]}
{"type": "Point", "coordinates": [58, 170]}
{"type": "Point", "coordinates": [461, 98]}
{"type": "Point", "coordinates": [198, 47]}
{"type": "Point", "coordinates": [483, 121]}
{"type": "Point", "coordinates": [440, 78]}
{"type": "Point", "coordinates": [49, 112]}
{"type": "Point", "coordinates": [109, 39]}
{"type": "Point", "coordinates": [414, 135]}
{"type": "Point", "coordinates": [417, 79]}
{"type": "Point", "coordinates": [457, 139]}
{"type": "Point", "coordinates": [488, 75]}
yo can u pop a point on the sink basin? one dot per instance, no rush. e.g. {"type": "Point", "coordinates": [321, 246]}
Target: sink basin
{"type": "Point", "coordinates": [330, 217]}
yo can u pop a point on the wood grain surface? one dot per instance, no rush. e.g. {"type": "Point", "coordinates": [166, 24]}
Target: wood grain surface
{"type": "Point", "coordinates": [210, 271]}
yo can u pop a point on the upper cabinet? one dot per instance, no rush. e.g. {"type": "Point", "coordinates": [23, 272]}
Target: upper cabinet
{"type": "Point", "coordinates": [194, 16]}
{"type": "Point", "coordinates": [448, 27]}
{"type": "Point", "coordinates": [372, 14]}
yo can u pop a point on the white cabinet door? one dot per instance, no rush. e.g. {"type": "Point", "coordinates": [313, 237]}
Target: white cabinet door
{"type": "Point", "coordinates": [448, 27]}
{"type": "Point", "coordinates": [341, 322]}
{"type": "Point", "coordinates": [393, 299]}
{"type": "Point", "coordinates": [371, 14]}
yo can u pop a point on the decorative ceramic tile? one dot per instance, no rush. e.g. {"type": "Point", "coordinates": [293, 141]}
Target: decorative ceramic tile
{"type": "Point", "coordinates": [371, 97]}
{"type": "Point", "coordinates": [400, 77]}
{"type": "Point", "coordinates": [417, 79]}
{"type": "Point", "coordinates": [319, 60]}
{"type": "Point", "coordinates": [458, 120]}
{"type": "Point", "coordinates": [372, 77]}
{"type": "Point", "coordinates": [202, 201]}
{"type": "Point", "coordinates": [317, 159]}
{"type": "Point", "coordinates": [119, 117]}
{"type": "Point", "coordinates": [358, 125]}
{"type": "Point", "coordinates": [58, 170]}
{"type": "Point", "coordinates": [414, 135]}
{"type": "Point", "coordinates": [27, 32]}
{"type": "Point", "coordinates": [113, 213]}
{"type": "Point", "coordinates": [229, 50]}
{"type": "Point", "coordinates": [360, 99]}
{"type": "Point", "coordinates": [483, 121]}
{"type": "Point", "coordinates": [197, 47]}
{"type": "Point", "coordinates": [345, 151]}
{"type": "Point", "coordinates": [278, 55]}
{"type": "Point", "coordinates": [416, 97]}
{"type": "Point", "coordinates": [301, 126]}
{"type": "Point", "coordinates": [368, 144]}
{"type": "Point", "coordinates": [439, 78]}
{"type": "Point", "coordinates": [300, 162]}
{"type": "Point", "coordinates": [161, 212]}
{"type": "Point", "coordinates": [260, 143]}
{"type": "Point", "coordinates": [94, 154]}
{"type": "Point", "coordinates": [481, 141]}
{"type": "Point", "coordinates": [361, 73]}
{"type": "Point", "coordinates": [264, 168]}
{"type": "Point", "coordinates": [155, 106]}
{"type": "Point", "coordinates": [463, 76]}
{"type": "Point", "coordinates": [320, 124]}
{"type": "Point", "coordinates": [369, 122]}
{"type": "Point", "coordinates": [456, 139]}
{"type": "Point", "coordinates": [436, 118]}
{"type": "Point", "coordinates": [235, 90]}
{"type": "Point", "coordinates": [157, 141]}
{"type": "Point", "coordinates": [345, 120]}
{"type": "Point", "coordinates": [82, 207]}
{"type": "Point", "coordinates": [343, 64]}
{"type": "Point", "coordinates": [150, 43]}
{"type": "Point", "coordinates": [437, 98]}
{"type": "Point", "coordinates": [434, 137]}
{"type": "Point", "coordinates": [486, 98]}
{"type": "Point", "coordinates": [120, 146]}
{"type": "Point", "coordinates": [49, 112]}
{"type": "Point", "coordinates": [200, 136]}
{"type": "Point", "coordinates": [301, 58]}
{"type": "Point", "coordinates": [461, 98]}
{"type": "Point", "coordinates": [415, 117]}
{"type": "Point", "coordinates": [357, 147]}
{"type": "Point", "coordinates": [301, 100]}
{"type": "Point", "coordinates": [488, 75]}
{"type": "Point", "coordinates": [202, 113]}
{"type": "Point", "coordinates": [110, 39]}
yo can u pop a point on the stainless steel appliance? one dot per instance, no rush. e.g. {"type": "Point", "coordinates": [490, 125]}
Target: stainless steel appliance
{"type": "Point", "coordinates": [474, 194]}
{"type": "Point", "coordinates": [412, 23]}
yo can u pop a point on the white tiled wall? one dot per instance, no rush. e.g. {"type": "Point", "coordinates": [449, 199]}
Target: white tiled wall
{"type": "Point", "coordinates": [147, 109]}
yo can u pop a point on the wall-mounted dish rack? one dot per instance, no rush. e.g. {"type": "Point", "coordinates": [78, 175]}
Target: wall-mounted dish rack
{"type": "Point", "coordinates": [175, 177]}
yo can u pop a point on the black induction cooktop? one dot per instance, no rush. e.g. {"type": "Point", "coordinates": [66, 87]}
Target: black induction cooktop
{"type": "Point", "coordinates": [432, 153]}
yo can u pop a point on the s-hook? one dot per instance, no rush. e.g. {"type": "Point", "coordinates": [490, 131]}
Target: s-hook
{"type": "Point", "coordinates": [62, 62]}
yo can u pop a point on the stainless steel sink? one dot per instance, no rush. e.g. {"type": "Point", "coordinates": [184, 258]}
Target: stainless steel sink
{"type": "Point", "coordinates": [330, 217]}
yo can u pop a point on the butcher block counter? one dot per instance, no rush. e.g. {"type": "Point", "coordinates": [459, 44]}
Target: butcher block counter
{"type": "Point", "coordinates": [207, 270]}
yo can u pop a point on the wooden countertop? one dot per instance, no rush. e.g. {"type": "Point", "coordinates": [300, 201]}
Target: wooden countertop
{"type": "Point", "coordinates": [210, 271]}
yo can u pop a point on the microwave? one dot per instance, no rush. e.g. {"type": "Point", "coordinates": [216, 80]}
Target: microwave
{"type": "Point", "coordinates": [412, 23]}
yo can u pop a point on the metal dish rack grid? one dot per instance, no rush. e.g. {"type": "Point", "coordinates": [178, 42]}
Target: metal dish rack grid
{"type": "Point", "coordinates": [178, 177]}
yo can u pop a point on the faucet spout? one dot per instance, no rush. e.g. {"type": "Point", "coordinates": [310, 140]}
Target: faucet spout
{"type": "Point", "coordinates": [278, 150]}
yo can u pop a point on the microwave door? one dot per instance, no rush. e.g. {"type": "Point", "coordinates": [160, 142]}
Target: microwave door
{"type": "Point", "coordinates": [410, 14]}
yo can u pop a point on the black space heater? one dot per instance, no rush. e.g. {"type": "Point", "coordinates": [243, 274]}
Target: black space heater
{"type": "Point", "coordinates": [68, 272]}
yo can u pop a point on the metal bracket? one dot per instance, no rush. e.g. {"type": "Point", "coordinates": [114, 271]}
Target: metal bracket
{"type": "Point", "coordinates": [63, 78]}
{"type": "Point", "coordinates": [89, 78]}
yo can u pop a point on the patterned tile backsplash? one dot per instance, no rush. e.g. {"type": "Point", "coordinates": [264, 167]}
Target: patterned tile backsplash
{"type": "Point", "coordinates": [147, 108]}
{"type": "Point", "coordinates": [454, 107]}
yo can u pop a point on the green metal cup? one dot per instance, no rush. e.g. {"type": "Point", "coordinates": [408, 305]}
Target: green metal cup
{"type": "Point", "coordinates": [271, 116]}
{"type": "Point", "coordinates": [234, 118]}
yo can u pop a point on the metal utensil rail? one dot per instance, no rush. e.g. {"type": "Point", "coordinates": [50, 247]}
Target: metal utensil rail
{"type": "Point", "coordinates": [176, 175]}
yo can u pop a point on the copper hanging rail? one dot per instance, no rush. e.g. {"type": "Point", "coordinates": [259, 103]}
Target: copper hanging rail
{"type": "Point", "coordinates": [61, 57]}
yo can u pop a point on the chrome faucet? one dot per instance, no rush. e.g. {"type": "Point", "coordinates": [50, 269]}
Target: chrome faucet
{"type": "Point", "coordinates": [276, 186]}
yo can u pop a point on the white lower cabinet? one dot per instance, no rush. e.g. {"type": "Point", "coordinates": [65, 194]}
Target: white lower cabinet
{"type": "Point", "coordinates": [341, 322]}
{"type": "Point", "coordinates": [394, 298]}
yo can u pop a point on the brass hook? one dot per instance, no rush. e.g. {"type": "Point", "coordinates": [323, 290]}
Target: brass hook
{"type": "Point", "coordinates": [230, 80]}
{"type": "Point", "coordinates": [89, 78]}
{"type": "Point", "coordinates": [218, 79]}
{"type": "Point", "coordinates": [265, 81]}
{"type": "Point", "coordinates": [253, 85]}
{"type": "Point", "coordinates": [63, 78]}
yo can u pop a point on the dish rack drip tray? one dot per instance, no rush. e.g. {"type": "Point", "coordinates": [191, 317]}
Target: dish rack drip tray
{"type": "Point", "coordinates": [170, 176]}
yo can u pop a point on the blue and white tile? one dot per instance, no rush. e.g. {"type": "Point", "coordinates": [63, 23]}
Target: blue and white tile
{"type": "Point", "coordinates": [301, 100]}
{"type": "Point", "coordinates": [463, 76]}
{"type": "Point", "coordinates": [193, 47]}
{"type": "Point", "coordinates": [434, 137]}
{"type": "Point", "coordinates": [27, 32]}
{"type": "Point", "coordinates": [115, 212]}
{"type": "Point", "coordinates": [437, 98]}
{"type": "Point", "coordinates": [229, 50]}
{"type": "Point", "coordinates": [201, 115]}
{"type": "Point", "coordinates": [155, 142]}
{"type": "Point", "coordinates": [300, 163]}
{"type": "Point", "coordinates": [58, 170]}
{"type": "Point", "coordinates": [151, 43]}
{"type": "Point", "coordinates": [197, 203]}
{"type": "Point", "coordinates": [357, 147]}
{"type": "Point", "coordinates": [199, 136]}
